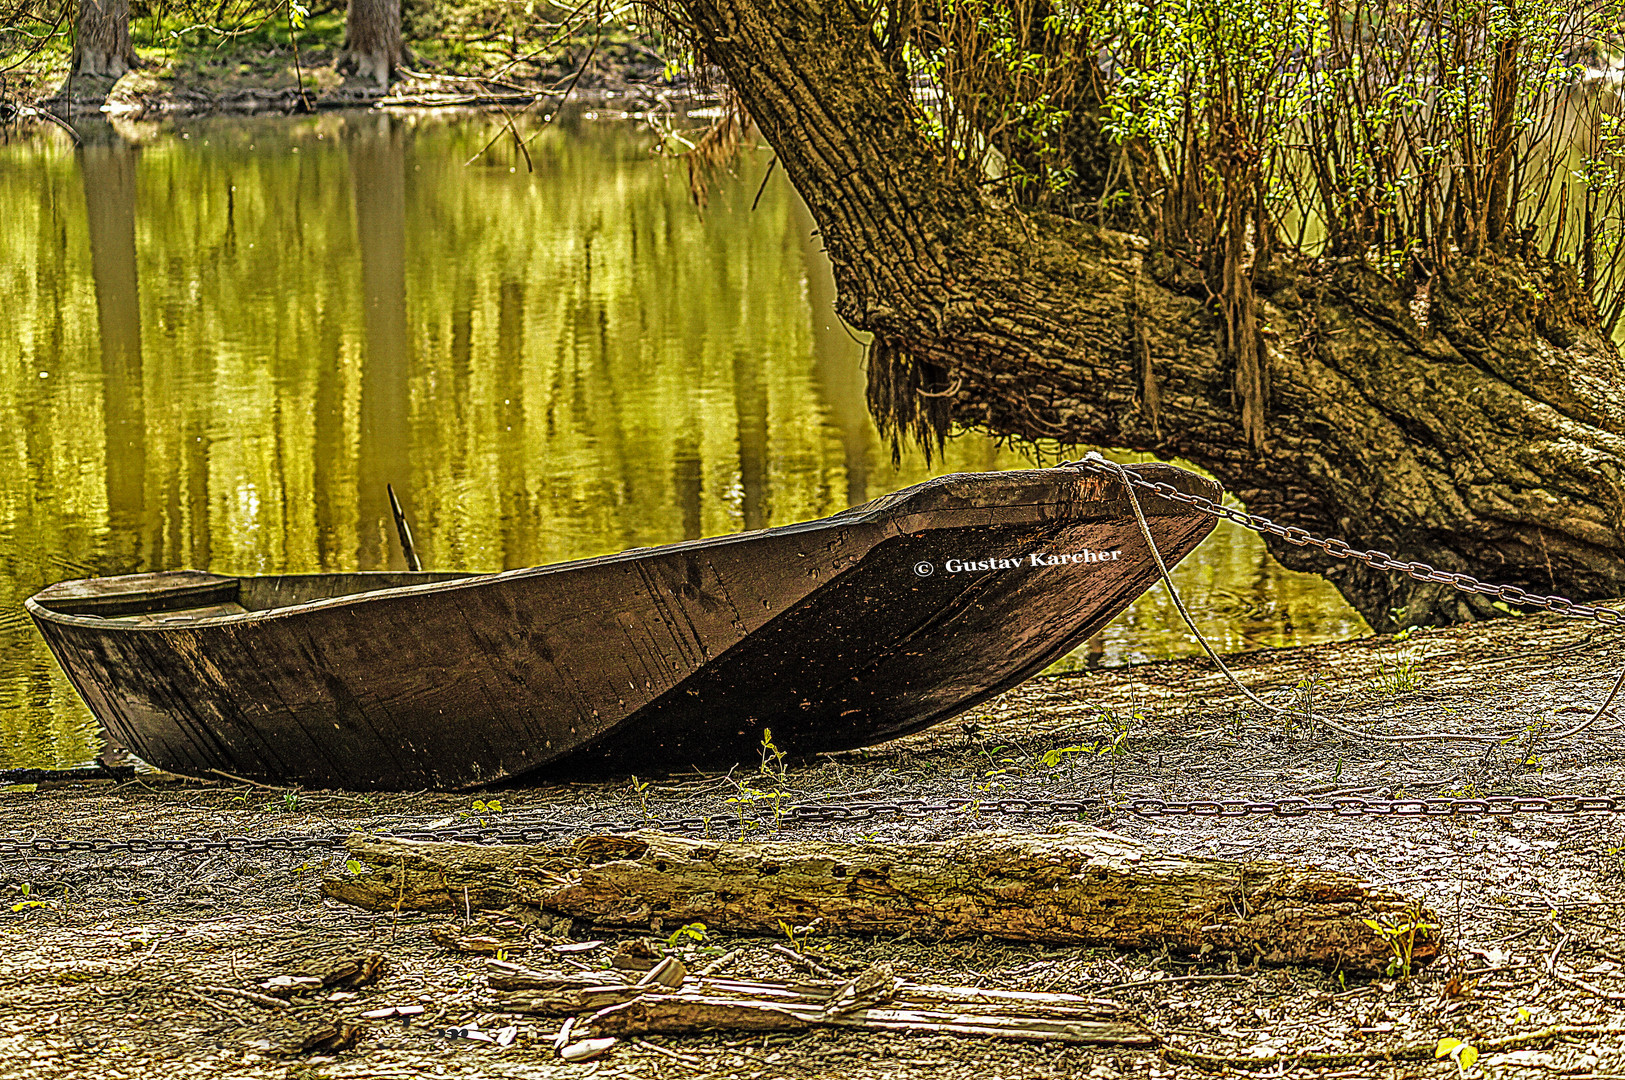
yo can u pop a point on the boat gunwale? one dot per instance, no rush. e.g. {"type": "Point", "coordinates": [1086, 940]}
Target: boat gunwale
{"type": "Point", "coordinates": [868, 513]}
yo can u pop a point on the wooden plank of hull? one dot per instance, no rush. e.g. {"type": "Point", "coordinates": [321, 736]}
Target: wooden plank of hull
{"type": "Point", "coordinates": [883, 652]}
{"type": "Point", "coordinates": [824, 631]}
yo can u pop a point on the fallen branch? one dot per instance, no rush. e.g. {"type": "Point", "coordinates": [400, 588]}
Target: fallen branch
{"type": "Point", "coordinates": [875, 1000]}
{"type": "Point", "coordinates": [1073, 886]}
{"type": "Point", "coordinates": [687, 1013]}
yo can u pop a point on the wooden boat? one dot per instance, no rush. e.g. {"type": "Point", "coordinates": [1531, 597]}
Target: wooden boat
{"type": "Point", "coordinates": [835, 633]}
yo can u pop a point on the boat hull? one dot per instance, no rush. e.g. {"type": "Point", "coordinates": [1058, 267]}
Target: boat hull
{"type": "Point", "coordinates": [837, 633]}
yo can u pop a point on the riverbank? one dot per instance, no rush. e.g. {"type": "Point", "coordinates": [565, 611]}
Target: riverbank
{"type": "Point", "coordinates": [265, 75]}
{"type": "Point", "coordinates": [125, 963]}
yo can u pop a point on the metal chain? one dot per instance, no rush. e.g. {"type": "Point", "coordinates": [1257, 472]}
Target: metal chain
{"type": "Point", "coordinates": [1377, 560]}
{"type": "Point", "coordinates": [839, 812]}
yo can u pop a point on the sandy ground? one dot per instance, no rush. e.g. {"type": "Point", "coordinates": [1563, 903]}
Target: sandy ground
{"type": "Point", "coordinates": [125, 964]}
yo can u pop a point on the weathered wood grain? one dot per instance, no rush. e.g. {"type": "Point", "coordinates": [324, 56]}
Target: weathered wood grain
{"type": "Point", "coordinates": [1073, 886]}
{"type": "Point", "coordinates": [877, 999]}
{"type": "Point", "coordinates": [835, 633]}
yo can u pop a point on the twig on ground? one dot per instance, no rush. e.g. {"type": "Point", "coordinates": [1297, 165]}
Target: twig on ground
{"type": "Point", "coordinates": [264, 1000]}
{"type": "Point", "coordinates": [1596, 991]}
{"type": "Point", "coordinates": [1414, 1052]}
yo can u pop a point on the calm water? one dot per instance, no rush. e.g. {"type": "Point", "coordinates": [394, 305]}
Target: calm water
{"type": "Point", "coordinates": [221, 339]}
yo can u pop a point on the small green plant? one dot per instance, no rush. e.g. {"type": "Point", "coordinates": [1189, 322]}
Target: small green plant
{"type": "Point", "coordinates": [798, 935]}
{"type": "Point", "coordinates": [1397, 675]}
{"type": "Point", "coordinates": [1061, 755]}
{"type": "Point", "coordinates": [640, 792]}
{"type": "Point", "coordinates": [772, 758]}
{"type": "Point", "coordinates": [747, 796]}
{"type": "Point", "coordinates": [481, 807]}
{"type": "Point", "coordinates": [1402, 932]}
{"type": "Point", "coordinates": [1527, 741]}
{"type": "Point", "coordinates": [1462, 1053]}
{"type": "Point", "coordinates": [688, 934]}
{"type": "Point", "coordinates": [26, 903]}
{"type": "Point", "coordinates": [1302, 708]}
{"type": "Point", "coordinates": [288, 804]}
{"type": "Point", "coordinates": [1115, 746]}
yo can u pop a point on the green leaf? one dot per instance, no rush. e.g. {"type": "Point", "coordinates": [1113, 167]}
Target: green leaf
{"type": "Point", "coordinates": [1466, 1057]}
{"type": "Point", "coordinates": [1446, 1047]}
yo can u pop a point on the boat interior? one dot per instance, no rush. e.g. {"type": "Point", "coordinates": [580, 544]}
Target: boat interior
{"type": "Point", "coordinates": [180, 596]}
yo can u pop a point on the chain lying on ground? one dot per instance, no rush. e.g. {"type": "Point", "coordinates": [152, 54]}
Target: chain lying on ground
{"type": "Point", "coordinates": [1340, 549]}
{"type": "Point", "coordinates": [840, 813]}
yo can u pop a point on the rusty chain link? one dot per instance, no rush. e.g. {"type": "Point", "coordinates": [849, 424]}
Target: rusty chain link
{"type": "Point", "coordinates": [1377, 560]}
{"type": "Point", "coordinates": [839, 812]}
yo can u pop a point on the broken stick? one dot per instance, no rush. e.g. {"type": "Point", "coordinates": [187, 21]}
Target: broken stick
{"type": "Point", "coordinates": [1073, 886]}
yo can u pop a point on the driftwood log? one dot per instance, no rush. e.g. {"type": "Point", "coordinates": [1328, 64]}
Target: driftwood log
{"type": "Point", "coordinates": [1074, 886]}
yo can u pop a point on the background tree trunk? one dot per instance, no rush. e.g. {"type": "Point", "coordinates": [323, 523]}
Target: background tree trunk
{"type": "Point", "coordinates": [108, 164]}
{"type": "Point", "coordinates": [1487, 439]}
{"type": "Point", "coordinates": [102, 39]}
{"type": "Point", "coordinates": [373, 48]}
{"type": "Point", "coordinates": [383, 452]}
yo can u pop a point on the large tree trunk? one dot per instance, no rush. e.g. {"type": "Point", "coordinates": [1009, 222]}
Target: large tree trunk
{"type": "Point", "coordinates": [102, 39]}
{"type": "Point", "coordinates": [1489, 439]}
{"type": "Point", "coordinates": [373, 48]}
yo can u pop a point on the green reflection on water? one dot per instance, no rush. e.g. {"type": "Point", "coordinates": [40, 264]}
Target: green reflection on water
{"type": "Point", "coordinates": [223, 338]}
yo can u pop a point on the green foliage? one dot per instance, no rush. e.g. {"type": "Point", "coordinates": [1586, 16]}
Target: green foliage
{"type": "Point", "coordinates": [1396, 675]}
{"type": "Point", "coordinates": [1402, 932]}
{"type": "Point", "coordinates": [688, 934]}
{"type": "Point", "coordinates": [640, 791]}
{"type": "Point", "coordinates": [1527, 741]}
{"type": "Point", "coordinates": [288, 804]}
{"type": "Point", "coordinates": [772, 758]}
{"type": "Point", "coordinates": [27, 903]}
{"type": "Point", "coordinates": [1053, 758]}
{"type": "Point", "coordinates": [1405, 136]}
{"type": "Point", "coordinates": [746, 797]}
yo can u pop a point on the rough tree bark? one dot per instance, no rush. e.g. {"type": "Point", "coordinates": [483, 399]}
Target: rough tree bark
{"type": "Point", "coordinates": [373, 48]}
{"type": "Point", "coordinates": [1073, 886]}
{"type": "Point", "coordinates": [1488, 438]}
{"type": "Point", "coordinates": [101, 43]}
